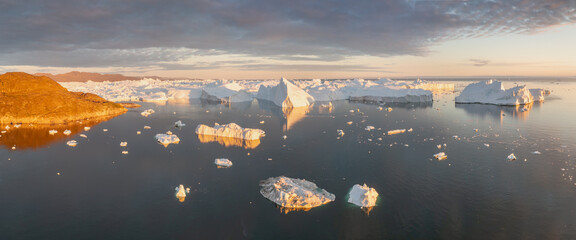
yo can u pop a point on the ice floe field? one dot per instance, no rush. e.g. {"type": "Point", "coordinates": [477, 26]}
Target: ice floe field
{"type": "Point", "coordinates": [298, 161]}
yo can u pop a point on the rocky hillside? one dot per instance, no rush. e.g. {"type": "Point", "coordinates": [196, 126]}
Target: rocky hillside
{"type": "Point", "coordinates": [26, 98]}
{"type": "Point", "coordinates": [85, 76]}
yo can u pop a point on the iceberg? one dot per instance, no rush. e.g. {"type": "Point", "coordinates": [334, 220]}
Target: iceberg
{"type": "Point", "coordinates": [227, 93]}
{"type": "Point", "coordinates": [363, 196]}
{"type": "Point", "coordinates": [147, 113]}
{"type": "Point", "coordinates": [72, 143]}
{"type": "Point", "coordinates": [493, 92]}
{"type": "Point", "coordinates": [181, 193]}
{"type": "Point", "coordinates": [167, 139]}
{"type": "Point", "coordinates": [440, 156]}
{"type": "Point", "coordinates": [397, 131]}
{"type": "Point", "coordinates": [231, 130]}
{"type": "Point", "coordinates": [285, 94]}
{"type": "Point", "coordinates": [511, 157]}
{"type": "Point", "coordinates": [67, 132]}
{"type": "Point", "coordinates": [179, 124]}
{"type": "Point", "coordinates": [223, 162]}
{"type": "Point", "coordinates": [294, 193]}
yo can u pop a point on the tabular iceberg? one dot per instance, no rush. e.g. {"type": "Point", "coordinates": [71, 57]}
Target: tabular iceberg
{"type": "Point", "coordinates": [231, 130]}
{"type": "Point", "coordinates": [294, 193]}
{"type": "Point", "coordinates": [285, 95]}
{"type": "Point", "coordinates": [493, 92]}
{"type": "Point", "coordinates": [166, 139]}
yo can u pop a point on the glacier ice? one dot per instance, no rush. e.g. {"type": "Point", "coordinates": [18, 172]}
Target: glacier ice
{"type": "Point", "coordinates": [294, 193]}
{"type": "Point", "coordinates": [363, 196]}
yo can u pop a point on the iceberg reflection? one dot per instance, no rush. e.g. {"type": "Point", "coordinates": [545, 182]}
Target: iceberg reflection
{"type": "Point", "coordinates": [229, 142]}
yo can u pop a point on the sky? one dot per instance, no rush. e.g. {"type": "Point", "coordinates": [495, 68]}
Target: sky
{"type": "Point", "coordinates": [244, 39]}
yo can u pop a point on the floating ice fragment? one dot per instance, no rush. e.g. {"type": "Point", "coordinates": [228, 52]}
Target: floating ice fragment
{"type": "Point", "coordinates": [262, 122]}
{"type": "Point", "coordinates": [493, 92]}
{"type": "Point", "coordinates": [439, 146]}
{"type": "Point", "coordinates": [340, 132]}
{"type": "Point", "coordinates": [368, 128]}
{"type": "Point", "coordinates": [284, 137]}
{"type": "Point", "coordinates": [124, 152]}
{"type": "Point", "coordinates": [294, 193]}
{"type": "Point", "coordinates": [349, 123]}
{"type": "Point", "coordinates": [147, 127]}
{"type": "Point", "coordinates": [388, 109]}
{"type": "Point", "coordinates": [147, 113]}
{"type": "Point", "coordinates": [72, 143]}
{"type": "Point", "coordinates": [86, 128]}
{"type": "Point", "coordinates": [223, 162]}
{"type": "Point", "coordinates": [138, 132]}
{"type": "Point", "coordinates": [486, 144]}
{"type": "Point", "coordinates": [166, 139]}
{"type": "Point", "coordinates": [511, 157]}
{"type": "Point", "coordinates": [397, 131]}
{"type": "Point", "coordinates": [410, 130]}
{"type": "Point", "coordinates": [123, 144]}
{"type": "Point", "coordinates": [179, 124]}
{"type": "Point", "coordinates": [440, 156]}
{"type": "Point", "coordinates": [83, 135]}
{"type": "Point", "coordinates": [181, 193]}
{"type": "Point", "coordinates": [363, 196]}
{"type": "Point", "coordinates": [105, 130]}
{"type": "Point", "coordinates": [53, 131]}
{"type": "Point", "coordinates": [67, 132]}
{"type": "Point", "coordinates": [536, 153]}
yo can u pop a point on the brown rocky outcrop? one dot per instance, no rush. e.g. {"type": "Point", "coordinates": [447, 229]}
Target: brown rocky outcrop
{"type": "Point", "coordinates": [26, 98]}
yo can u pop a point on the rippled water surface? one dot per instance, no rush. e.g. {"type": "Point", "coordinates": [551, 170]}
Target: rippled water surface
{"type": "Point", "coordinates": [49, 190]}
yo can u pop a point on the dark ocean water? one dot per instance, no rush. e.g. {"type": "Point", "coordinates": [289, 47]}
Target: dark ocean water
{"type": "Point", "coordinates": [49, 190]}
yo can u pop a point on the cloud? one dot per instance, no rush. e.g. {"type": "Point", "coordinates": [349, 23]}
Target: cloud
{"type": "Point", "coordinates": [479, 62]}
{"type": "Point", "coordinates": [128, 32]}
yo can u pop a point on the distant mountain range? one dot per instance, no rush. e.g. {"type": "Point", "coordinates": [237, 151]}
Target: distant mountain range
{"type": "Point", "coordinates": [95, 77]}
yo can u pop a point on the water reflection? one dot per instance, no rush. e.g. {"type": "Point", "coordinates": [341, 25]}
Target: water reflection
{"type": "Point", "coordinates": [207, 104]}
{"type": "Point", "coordinates": [521, 112]}
{"type": "Point", "coordinates": [229, 142]}
{"type": "Point", "coordinates": [30, 136]}
{"type": "Point", "coordinates": [290, 115]}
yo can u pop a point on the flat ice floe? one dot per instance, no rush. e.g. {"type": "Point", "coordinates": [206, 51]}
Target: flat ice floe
{"type": "Point", "coordinates": [294, 193]}
{"type": "Point", "coordinates": [363, 196]}
{"type": "Point", "coordinates": [223, 162]}
{"type": "Point", "coordinates": [493, 92]}
{"type": "Point", "coordinates": [231, 130]}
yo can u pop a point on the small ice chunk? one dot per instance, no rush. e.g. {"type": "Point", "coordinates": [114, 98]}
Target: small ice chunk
{"type": "Point", "coordinates": [179, 124]}
{"type": "Point", "coordinates": [536, 153]}
{"type": "Point", "coordinates": [368, 128]}
{"type": "Point", "coordinates": [486, 144]}
{"type": "Point", "coordinates": [105, 130]}
{"type": "Point", "coordinates": [284, 137]}
{"type": "Point", "coordinates": [380, 108]}
{"type": "Point", "coordinates": [397, 131]}
{"type": "Point", "coordinates": [262, 122]}
{"type": "Point", "coordinates": [294, 193]}
{"type": "Point", "coordinates": [86, 128]}
{"type": "Point", "coordinates": [138, 132]}
{"type": "Point", "coordinates": [123, 144]}
{"type": "Point", "coordinates": [147, 127]}
{"type": "Point", "coordinates": [53, 131]}
{"type": "Point", "coordinates": [388, 109]}
{"type": "Point", "coordinates": [410, 130]}
{"type": "Point", "coordinates": [67, 132]}
{"type": "Point", "coordinates": [363, 196]}
{"type": "Point", "coordinates": [223, 162]}
{"type": "Point", "coordinates": [349, 123]}
{"type": "Point", "coordinates": [511, 157]}
{"type": "Point", "coordinates": [124, 152]}
{"type": "Point", "coordinates": [439, 146]}
{"type": "Point", "coordinates": [181, 193]}
{"type": "Point", "coordinates": [72, 143]}
{"type": "Point", "coordinates": [340, 132]}
{"type": "Point", "coordinates": [440, 156]}
{"type": "Point", "coordinates": [83, 135]}
{"type": "Point", "coordinates": [166, 139]}
{"type": "Point", "coordinates": [147, 113]}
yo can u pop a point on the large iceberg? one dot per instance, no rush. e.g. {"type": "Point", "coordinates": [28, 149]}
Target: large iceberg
{"type": "Point", "coordinates": [285, 94]}
{"type": "Point", "coordinates": [231, 130]}
{"type": "Point", "coordinates": [386, 90]}
{"type": "Point", "coordinates": [227, 93]}
{"type": "Point", "coordinates": [493, 92]}
{"type": "Point", "coordinates": [294, 193]}
{"type": "Point", "coordinates": [363, 196]}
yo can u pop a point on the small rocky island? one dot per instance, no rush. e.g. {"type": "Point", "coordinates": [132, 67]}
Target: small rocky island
{"type": "Point", "coordinates": [26, 98]}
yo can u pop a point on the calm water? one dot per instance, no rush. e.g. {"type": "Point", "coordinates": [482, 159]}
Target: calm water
{"type": "Point", "coordinates": [476, 193]}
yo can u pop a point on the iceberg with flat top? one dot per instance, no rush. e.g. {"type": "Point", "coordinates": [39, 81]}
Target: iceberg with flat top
{"type": "Point", "coordinates": [226, 93]}
{"type": "Point", "coordinates": [285, 94]}
{"type": "Point", "coordinates": [493, 92]}
{"type": "Point", "coordinates": [363, 196]}
{"type": "Point", "coordinates": [231, 130]}
{"type": "Point", "coordinates": [386, 90]}
{"type": "Point", "coordinates": [223, 162]}
{"type": "Point", "coordinates": [167, 139]}
{"type": "Point", "coordinates": [294, 193]}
